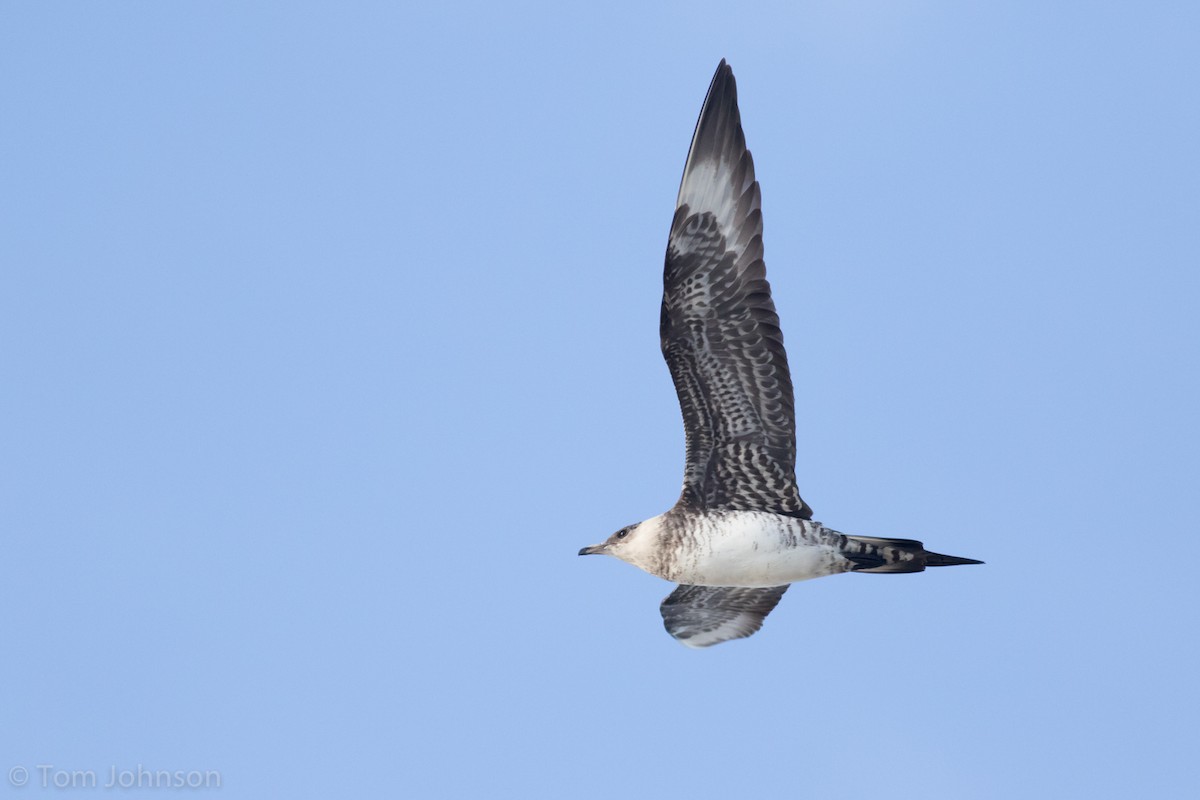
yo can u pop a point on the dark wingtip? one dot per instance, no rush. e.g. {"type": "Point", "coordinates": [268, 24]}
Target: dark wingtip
{"type": "Point", "coordinates": [719, 126]}
{"type": "Point", "coordinates": [723, 74]}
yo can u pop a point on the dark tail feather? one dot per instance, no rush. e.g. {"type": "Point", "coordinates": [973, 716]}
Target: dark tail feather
{"type": "Point", "coordinates": [895, 555]}
{"type": "Point", "coordinates": [939, 560]}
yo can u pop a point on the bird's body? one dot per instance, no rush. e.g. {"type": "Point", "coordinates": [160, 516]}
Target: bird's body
{"type": "Point", "coordinates": [740, 532]}
{"type": "Point", "coordinates": [736, 548]}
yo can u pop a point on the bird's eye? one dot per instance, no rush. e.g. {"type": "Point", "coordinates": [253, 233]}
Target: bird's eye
{"type": "Point", "coordinates": [621, 534]}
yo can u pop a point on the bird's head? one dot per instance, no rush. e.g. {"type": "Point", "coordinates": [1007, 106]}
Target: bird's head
{"type": "Point", "coordinates": [634, 544]}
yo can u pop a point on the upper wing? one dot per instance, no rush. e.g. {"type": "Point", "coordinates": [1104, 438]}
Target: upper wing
{"type": "Point", "coordinates": [720, 332]}
{"type": "Point", "coordinates": [700, 616]}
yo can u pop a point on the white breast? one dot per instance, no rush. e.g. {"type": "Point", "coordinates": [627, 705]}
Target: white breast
{"type": "Point", "coordinates": [748, 548]}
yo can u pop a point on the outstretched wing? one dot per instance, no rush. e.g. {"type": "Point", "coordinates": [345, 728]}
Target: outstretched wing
{"type": "Point", "coordinates": [700, 616]}
{"type": "Point", "coordinates": [720, 332]}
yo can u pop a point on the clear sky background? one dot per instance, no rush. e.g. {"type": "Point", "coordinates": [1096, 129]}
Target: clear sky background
{"type": "Point", "coordinates": [328, 335]}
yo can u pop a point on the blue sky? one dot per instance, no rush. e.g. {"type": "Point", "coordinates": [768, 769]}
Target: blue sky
{"type": "Point", "coordinates": [328, 335]}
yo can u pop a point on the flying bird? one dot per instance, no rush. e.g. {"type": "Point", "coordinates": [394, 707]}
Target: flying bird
{"type": "Point", "coordinates": [740, 533]}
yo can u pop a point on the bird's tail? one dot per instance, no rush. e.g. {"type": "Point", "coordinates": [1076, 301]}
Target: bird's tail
{"type": "Point", "coordinates": [895, 555]}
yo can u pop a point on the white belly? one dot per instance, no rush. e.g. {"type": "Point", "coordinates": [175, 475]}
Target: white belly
{"type": "Point", "coordinates": [743, 548]}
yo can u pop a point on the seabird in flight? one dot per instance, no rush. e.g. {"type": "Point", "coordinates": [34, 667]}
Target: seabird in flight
{"type": "Point", "coordinates": [739, 533]}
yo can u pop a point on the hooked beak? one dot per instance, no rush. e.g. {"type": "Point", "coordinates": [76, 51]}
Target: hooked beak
{"type": "Point", "coordinates": [594, 550]}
